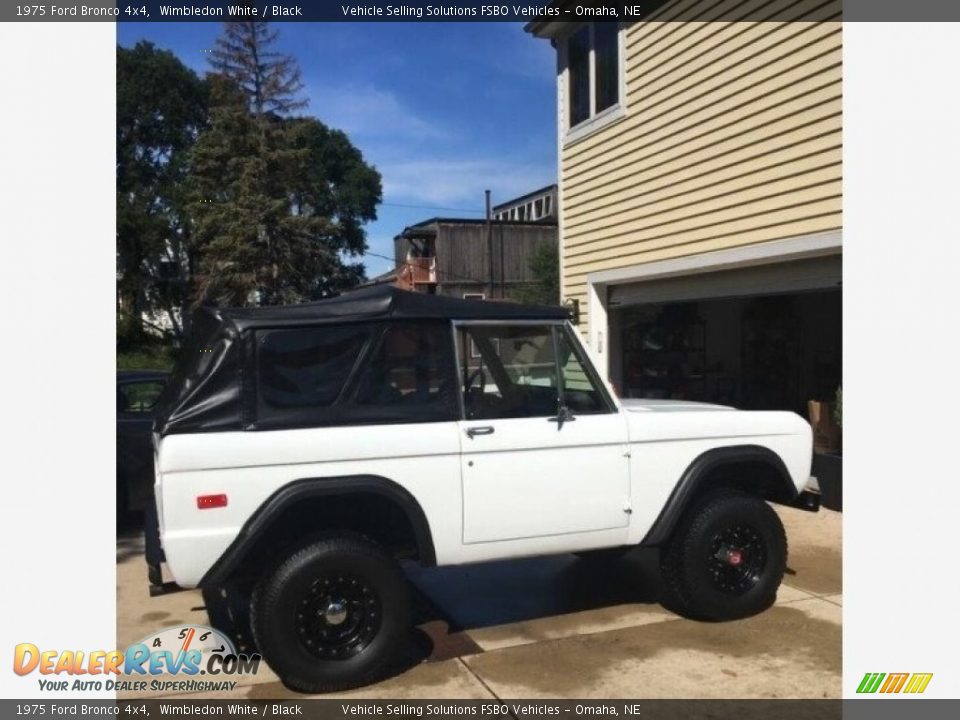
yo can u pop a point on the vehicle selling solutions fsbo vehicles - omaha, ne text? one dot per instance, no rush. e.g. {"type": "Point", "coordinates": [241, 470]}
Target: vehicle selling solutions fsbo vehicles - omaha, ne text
{"type": "Point", "coordinates": [302, 451]}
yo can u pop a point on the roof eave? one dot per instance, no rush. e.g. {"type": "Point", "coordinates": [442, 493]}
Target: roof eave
{"type": "Point", "coordinates": [545, 29]}
{"type": "Point", "coordinates": [421, 231]}
{"type": "Point", "coordinates": [549, 28]}
{"type": "Point", "coordinates": [532, 195]}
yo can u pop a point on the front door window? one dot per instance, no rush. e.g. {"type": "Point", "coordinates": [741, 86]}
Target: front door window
{"type": "Point", "coordinates": [518, 371]}
{"type": "Point", "coordinates": [508, 371]}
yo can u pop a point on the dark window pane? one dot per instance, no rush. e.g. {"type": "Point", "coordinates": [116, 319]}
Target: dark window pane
{"type": "Point", "coordinates": [138, 397]}
{"type": "Point", "coordinates": [607, 65]}
{"type": "Point", "coordinates": [507, 371]}
{"type": "Point", "coordinates": [305, 368]}
{"type": "Point", "coordinates": [578, 68]}
{"type": "Point", "coordinates": [409, 378]}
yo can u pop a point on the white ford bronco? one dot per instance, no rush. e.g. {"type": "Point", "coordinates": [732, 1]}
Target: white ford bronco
{"type": "Point", "coordinates": [303, 452]}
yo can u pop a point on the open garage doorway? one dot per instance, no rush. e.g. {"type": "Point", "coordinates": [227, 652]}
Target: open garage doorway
{"type": "Point", "coordinates": [771, 351]}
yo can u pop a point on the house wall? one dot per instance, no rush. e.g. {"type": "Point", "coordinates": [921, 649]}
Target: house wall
{"type": "Point", "coordinates": [731, 137]}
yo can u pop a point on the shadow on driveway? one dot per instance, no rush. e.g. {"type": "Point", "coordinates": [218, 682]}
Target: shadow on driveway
{"type": "Point", "coordinates": [498, 593]}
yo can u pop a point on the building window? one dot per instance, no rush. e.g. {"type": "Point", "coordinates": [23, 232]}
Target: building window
{"type": "Point", "coordinates": [592, 58]}
{"type": "Point", "coordinates": [578, 64]}
{"type": "Point", "coordinates": [606, 53]}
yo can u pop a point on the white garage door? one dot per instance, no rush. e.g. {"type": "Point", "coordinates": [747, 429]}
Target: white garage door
{"type": "Point", "coordinates": [818, 273]}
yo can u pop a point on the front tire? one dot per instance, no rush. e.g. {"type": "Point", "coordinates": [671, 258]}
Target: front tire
{"type": "Point", "coordinates": [726, 560]}
{"type": "Point", "coordinates": [334, 615]}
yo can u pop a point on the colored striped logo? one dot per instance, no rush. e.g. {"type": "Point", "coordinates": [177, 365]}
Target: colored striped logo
{"type": "Point", "coordinates": [894, 683]}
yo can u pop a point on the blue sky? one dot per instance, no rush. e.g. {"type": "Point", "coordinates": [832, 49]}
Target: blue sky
{"type": "Point", "coordinates": [443, 110]}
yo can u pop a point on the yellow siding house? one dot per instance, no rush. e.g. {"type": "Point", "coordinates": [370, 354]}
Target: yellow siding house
{"type": "Point", "coordinates": [700, 199]}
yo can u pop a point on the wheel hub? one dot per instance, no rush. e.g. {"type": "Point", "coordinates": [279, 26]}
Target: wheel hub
{"type": "Point", "coordinates": [335, 612]}
{"type": "Point", "coordinates": [737, 559]}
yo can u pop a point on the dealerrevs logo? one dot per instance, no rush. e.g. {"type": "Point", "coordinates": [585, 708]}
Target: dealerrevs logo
{"type": "Point", "coordinates": [189, 651]}
{"type": "Point", "coordinates": [894, 683]}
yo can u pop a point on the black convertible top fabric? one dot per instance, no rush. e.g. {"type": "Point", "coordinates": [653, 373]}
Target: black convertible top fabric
{"type": "Point", "coordinates": [213, 388]}
{"type": "Point", "coordinates": [383, 302]}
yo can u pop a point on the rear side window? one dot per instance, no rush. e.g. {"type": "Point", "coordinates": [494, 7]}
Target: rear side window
{"type": "Point", "coordinates": [409, 377]}
{"type": "Point", "coordinates": [302, 372]}
{"type": "Point", "coordinates": [398, 372]}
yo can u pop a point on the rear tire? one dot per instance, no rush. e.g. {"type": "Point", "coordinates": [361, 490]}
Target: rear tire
{"type": "Point", "coordinates": [334, 615]}
{"type": "Point", "coordinates": [726, 559]}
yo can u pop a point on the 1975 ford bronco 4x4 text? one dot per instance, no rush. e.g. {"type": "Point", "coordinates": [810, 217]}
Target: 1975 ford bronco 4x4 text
{"type": "Point", "coordinates": [303, 451]}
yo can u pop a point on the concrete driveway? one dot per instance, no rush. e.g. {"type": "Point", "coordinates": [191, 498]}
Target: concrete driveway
{"type": "Point", "coordinates": [565, 627]}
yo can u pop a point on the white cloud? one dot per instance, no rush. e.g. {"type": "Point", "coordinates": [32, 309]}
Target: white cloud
{"type": "Point", "coordinates": [370, 112]}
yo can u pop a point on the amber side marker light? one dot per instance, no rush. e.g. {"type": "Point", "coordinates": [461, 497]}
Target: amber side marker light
{"type": "Point", "coordinates": [205, 502]}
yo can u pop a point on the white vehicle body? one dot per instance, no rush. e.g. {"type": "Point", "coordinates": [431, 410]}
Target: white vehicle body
{"type": "Point", "coordinates": [489, 489]}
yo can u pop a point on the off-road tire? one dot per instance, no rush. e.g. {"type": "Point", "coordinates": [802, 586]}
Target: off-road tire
{"type": "Point", "coordinates": [298, 583]}
{"type": "Point", "coordinates": [698, 584]}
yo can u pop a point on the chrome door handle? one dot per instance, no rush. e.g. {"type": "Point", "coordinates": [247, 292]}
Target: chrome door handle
{"type": "Point", "coordinates": [482, 430]}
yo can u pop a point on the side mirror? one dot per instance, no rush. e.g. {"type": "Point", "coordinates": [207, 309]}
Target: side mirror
{"type": "Point", "coordinates": [563, 415]}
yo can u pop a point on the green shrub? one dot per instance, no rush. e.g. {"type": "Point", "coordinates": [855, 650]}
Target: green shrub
{"type": "Point", "coordinates": [153, 358]}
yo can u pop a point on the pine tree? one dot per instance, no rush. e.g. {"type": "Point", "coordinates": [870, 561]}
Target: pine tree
{"type": "Point", "coordinates": [227, 197]}
{"type": "Point", "coordinates": [277, 201]}
{"type": "Point", "coordinates": [271, 80]}
{"type": "Point", "coordinates": [544, 265]}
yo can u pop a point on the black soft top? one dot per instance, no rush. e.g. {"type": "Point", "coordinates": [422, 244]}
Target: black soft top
{"type": "Point", "coordinates": [210, 390]}
{"type": "Point", "coordinates": [381, 302]}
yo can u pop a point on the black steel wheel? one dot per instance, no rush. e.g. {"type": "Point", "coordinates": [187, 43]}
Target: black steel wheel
{"type": "Point", "coordinates": [338, 616]}
{"type": "Point", "coordinates": [334, 615]}
{"type": "Point", "coordinates": [726, 558]}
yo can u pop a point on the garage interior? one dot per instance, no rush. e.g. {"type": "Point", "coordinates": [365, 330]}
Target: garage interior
{"type": "Point", "coordinates": [760, 338]}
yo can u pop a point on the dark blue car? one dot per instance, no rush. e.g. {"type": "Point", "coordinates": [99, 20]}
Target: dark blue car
{"type": "Point", "coordinates": [137, 395]}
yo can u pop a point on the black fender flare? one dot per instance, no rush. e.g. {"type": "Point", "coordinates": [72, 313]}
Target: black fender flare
{"type": "Point", "coordinates": [299, 490]}
{"type": "Point", "coordinates": [696, 476]}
